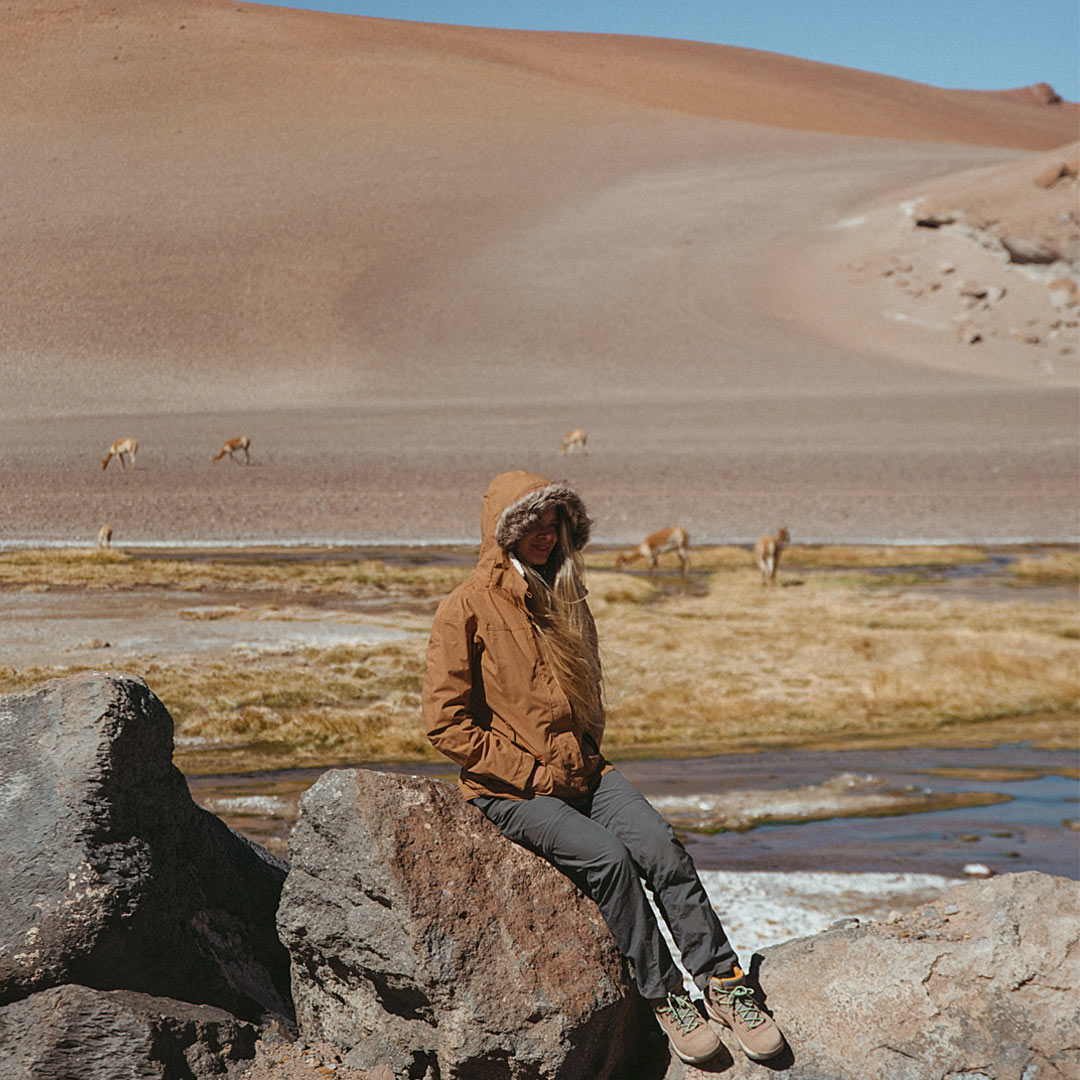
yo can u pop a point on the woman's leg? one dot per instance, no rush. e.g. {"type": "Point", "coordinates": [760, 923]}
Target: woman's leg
{"type": "Point", "coordinates": [599, 862]}
{"type": "Point", "coordinates": [670, 874]}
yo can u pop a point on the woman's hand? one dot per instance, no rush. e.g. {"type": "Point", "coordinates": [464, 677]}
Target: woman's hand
{"type": "Point", "coordinates": [541, 781]}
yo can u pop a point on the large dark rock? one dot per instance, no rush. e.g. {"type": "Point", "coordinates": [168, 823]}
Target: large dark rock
{"type": "Point", "coordinates": [110, 875]}
{"type": "Point", "coordinates": [71, 1032]}
{"type": "Point", "coordinates": [984, 984]}
{"type": "Point", "coordinates": [423, 939]}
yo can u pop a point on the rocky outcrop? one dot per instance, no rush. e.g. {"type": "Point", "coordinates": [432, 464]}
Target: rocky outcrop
{"type": "Point", "coordinates": [1037, 94]}
{"type": "Point", "coordinates": [1014, 228]}
{"type": "Point", "coordinates": [421, 938]}
{"type": "Point", "coordinates": [425, 945]}
{"type": "Point", "coordinates": [73, 1031]}
{"type": "Point", "coordinates": [1043, 94]}
{"type": "Point", "coordinates": [1056, 172]}
{"type": "Point", "coordinates": [112, 877]}
{"type": "Point", "coordinates": [982, 985]}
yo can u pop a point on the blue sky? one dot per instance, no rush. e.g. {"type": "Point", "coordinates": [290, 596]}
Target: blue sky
{"type": "Point", "coordinates": [959, 44]}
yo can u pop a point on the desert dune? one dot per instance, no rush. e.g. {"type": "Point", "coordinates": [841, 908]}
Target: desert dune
{"type": "Point", "coordinates": [406, 257]}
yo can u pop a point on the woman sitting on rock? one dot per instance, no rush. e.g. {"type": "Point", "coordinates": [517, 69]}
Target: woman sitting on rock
{"type": "Point", "coordinates": [513, 695]}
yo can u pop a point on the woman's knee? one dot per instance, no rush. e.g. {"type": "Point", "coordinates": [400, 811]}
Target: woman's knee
{"type": "Point", "coordinates": [664, 861]}
{"type": "Point", "coordinates": [609, 859]}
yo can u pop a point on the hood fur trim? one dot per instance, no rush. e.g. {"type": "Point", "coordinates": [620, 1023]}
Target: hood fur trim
{"type": "Point", "coordinates": [524, 514]}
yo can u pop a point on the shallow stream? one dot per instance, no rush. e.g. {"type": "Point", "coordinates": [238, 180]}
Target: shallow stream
{"type": "Point", "coordinates": [1034, 828]}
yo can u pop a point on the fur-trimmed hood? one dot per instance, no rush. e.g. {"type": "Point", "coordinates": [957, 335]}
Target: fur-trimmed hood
{"type": "Point", "coordinates": [513, 504]}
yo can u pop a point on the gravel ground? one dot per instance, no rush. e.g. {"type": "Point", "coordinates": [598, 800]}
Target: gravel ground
{"type": "Point", "coordinates": [887, 467]}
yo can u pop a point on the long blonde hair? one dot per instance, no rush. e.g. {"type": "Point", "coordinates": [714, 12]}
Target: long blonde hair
{"type": "Point", "coordinates": [567, 631]}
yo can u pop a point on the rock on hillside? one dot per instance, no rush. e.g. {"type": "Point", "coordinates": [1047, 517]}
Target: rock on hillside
{"type": "Point", "coordinates": [1037, 94]}
{"type": "Point", "coordinates": [424, 940]}
{"type": "Point", "coordinates": [985, 262]}
{"type": "Point", "coordinates": [1030, 202]}
{"type": "Point", "coordinates": [112, 877]}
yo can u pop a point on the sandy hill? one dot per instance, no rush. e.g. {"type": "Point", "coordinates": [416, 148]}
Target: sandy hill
{"type": "Point", "coordinates": [223, 200]}
{"type": "Point", "coordinates": [217, 207]}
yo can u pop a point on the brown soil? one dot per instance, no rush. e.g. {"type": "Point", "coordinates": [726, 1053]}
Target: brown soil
{"type": "Point", "coordinates": [278, 1058]}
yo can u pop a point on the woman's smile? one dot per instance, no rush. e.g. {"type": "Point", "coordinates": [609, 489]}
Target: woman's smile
{"type": "Point", "coordinates": [535, 546]}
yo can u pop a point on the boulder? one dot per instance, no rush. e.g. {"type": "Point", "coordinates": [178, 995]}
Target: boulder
{"type": "Point", "coordinates": [1058, 171]}
{"type": "Point", "coordinates": [73, 1031]}
{"type": "Point", "coordinates": [968, 334]}
{"type": "Point", "coordinates": [972, 291]}
{"type": "Point", "coordinates": [981, 985]}
{"type": "Point", "coordinates": [936, 219]}
{"type": "Point", "coordinates": [1028, 252]}
{"type": "Point", "coordinates": [1064, 292]}
{"type": "Point", "coordinates": [112, 877]}
{"type": "Point", "coordinates": [422, 939]}
{"type": "Point", "coordinates": [982, 296]}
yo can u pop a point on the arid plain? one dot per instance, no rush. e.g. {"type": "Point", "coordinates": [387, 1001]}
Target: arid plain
{"type": "Point", "coordinates": [403, 258]}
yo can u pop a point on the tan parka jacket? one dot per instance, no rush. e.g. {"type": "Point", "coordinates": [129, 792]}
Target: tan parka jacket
{"type": "Point", "coordinates": [491, 701]}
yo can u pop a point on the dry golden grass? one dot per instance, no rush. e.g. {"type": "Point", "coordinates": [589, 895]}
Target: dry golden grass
{"type": "Point", "coordinates": [117, 569]}
{"type": "Point", "coordinates": [91, 569]}
{"type": "Point", "coordinates": [717, 663]}
{"type": "Point", "coordinates": [838, 556]}
{"type": "Point", "coordinates": [1056, 568]}
{"type": "Point", "coordinates": [340, 703]}
{"type": "Point", "coordinates": [742, 666]}
{"type": "Point", "coordinates": [295, 707]}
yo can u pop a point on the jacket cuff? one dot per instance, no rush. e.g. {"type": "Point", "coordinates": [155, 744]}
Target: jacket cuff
{"type": "Point", "coordinates": [545, 787]}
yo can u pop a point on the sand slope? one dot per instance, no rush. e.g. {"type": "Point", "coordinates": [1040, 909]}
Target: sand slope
{"type": "Point", "coordinates": [246, 216]}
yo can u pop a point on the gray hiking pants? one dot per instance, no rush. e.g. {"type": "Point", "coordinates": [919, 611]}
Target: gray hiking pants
{"type": "Point", "coordinates": [606, 844]}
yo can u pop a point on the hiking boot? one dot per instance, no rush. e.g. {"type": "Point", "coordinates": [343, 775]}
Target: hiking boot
{"type": "Point", "coordinates": [732, 1002]}
{"type": "Point", "coordinates": [690, 1036]}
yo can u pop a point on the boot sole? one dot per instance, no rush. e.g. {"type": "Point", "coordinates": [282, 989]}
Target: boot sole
{"type": "Point", "coordinates": [752, 1055]}
{"type": "Point", "coordinates": [694, 1060]}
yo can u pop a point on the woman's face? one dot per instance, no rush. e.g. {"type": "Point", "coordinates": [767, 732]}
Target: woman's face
{"type": "Point", "coordinates": [535, 546]}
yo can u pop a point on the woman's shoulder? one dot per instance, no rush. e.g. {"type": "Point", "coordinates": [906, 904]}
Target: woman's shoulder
{"type": "Point", "coordinates": [463, 597]}
{"type": "Point", "coordinates": [483, 596]}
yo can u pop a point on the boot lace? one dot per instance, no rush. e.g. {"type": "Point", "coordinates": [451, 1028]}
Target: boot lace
{"type": "Point", "coordinates": [741, 1001]}
{"type": "Point", "coordinates": [681, 1009]}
